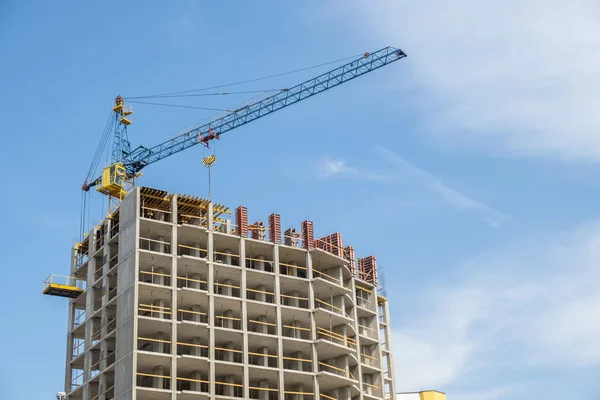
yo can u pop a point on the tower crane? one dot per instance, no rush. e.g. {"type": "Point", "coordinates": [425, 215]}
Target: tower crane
{"type": "Point", "coordinates": [118, 177]}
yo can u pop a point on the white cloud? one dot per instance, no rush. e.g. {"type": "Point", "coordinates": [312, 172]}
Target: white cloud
{"type": "Point", "coordinates": [461, 202]}
{"type": "Point", "coordinates": [327, 167]}
{"type": "Point", "coordinates": [534, 306]}
{"type": "Point", "coordinates": [520, 77]}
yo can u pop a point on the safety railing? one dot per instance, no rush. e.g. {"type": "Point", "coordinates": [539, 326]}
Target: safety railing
{"type": "Point", "coordinates": [192, 385]}
{"type": "Point", "coordinates": [369, 360]}
{"type": "Point", "coordinates": [150, 310]}
{"type": "Point", "coordinates": [262, 359]}
{"type": "Point", "coordinates": [155, 278]}
{"type": "Point", "coordinates": [65, 282]}
{"type": "Point", "coordinates": [155, 381]}
{"type": "Point", "coordinates": [297, 364]}
{"type": "Point", "coordinates": [154, 345]}
{"type": "Point", "coordinates": [191, 251]}
{"type": "Point", "coordinates": [114, 229]}
{"type": "Point", "coordinates": [327, 397]}
{"type": "Point", "coordinates": [259, 264]}
{"type": "Point", "coordinates": [226, 289]}
{"type": "Point", "coordinates": [256, 392]}
{"type": "Point", "coordinates": [222, 321]}
{"type": "Point", "coordinates": [367, 331]}
{"type": "Point", "coordinates": [112, 293]}
{"type": "Point", "coordinates": [229, 389]}
{"type": "Point", "coordinates": [293, 301]}
{"type": "Point", "coordinates": [230, 355]}
{"type": "Point", "coordinates": [226, 258]}
{"type": "Point", "coordinates": [155, 214]}
{"type": "Point", "coordinates": [159, 246]}
{"type": "Point", "coordinates": [79, 318]}
{"type": "Point", "coordinates": [192, 349]}
{"type": "Point", "coordinates": [191, 283]}
{"type": "Point", "coordinates": [371, 389]}
{"type": "Point", "coordinates": [328, 306]}
{"type": "Point", "coordinates": [324, 367]}
{"type": "Point", "coordinates": [266, 327]}
{"type": "Point", "coordinates": [292, 270]}
{"type": "Point", "coordinates": [78, 347]}
{"type": "Point", "coordinates": [335, 337]}
{"type": "Point", "coordinates": [76, 378]}
{"type": "Point", "coordinates": [106, 393]}
{"type": "Point", "coordinates": [368, 304]}
{"type": "Point", "coordinates": [111, 325]}
{"type": "Point", "coordinates": [99, 273]}
{"type": "Point", "coordinates": [296, 332]}
{"type": "Point", "coordinates": [327, 277]}
{"type": "Point", "coordinates": [81, 258]}
{"type": "Point", "coordinates": [293, 395]}
{"type": "Point", "coordinates": [260, 295]}
{"type": "Point", "coordinates": [192, 316]}
{"type": "Point", "coordinates": [113, 261]}
{"type": "Point", "coordinates": [111, 358]}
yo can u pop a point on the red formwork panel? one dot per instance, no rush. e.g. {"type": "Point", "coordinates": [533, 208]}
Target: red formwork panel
{"type": "Point", "coordinates": [275, 228]}
{"type": "Point", "coordinates": [331, 243]}
{"type": "Point", "coordinates": [241, 221]}
{"type": "Point", "coordinates": [308, 235]}
{"type": "Point", "coordinates": [367, 269]}
{"type": "Point", "coordinates": [349, 255]}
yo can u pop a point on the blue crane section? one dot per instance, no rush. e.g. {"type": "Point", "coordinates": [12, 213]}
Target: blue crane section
{"type": "Point", "coordinates": [134, 161]}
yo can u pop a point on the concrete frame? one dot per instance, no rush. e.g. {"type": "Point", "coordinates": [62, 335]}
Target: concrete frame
{"type": "Point", "coordinates": [350, 356]}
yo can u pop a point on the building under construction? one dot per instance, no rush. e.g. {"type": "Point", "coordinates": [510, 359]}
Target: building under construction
{"type": "Point", "coordinates": [172, 299]}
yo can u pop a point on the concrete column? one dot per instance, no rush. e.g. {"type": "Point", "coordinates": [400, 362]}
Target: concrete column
{"type": "Point", "coordinates": [265, 360]}
{"type": "Point", "coordinates": [159, 279]}
{"type": "Point", "coordinates": [227, 389]}
{"type": "Point", "coordinates": [158, 383]}
{"type": "Point", "coordinates": [193, 316]}
{"type": "Point", "coordinates": [160, 246]}
{"type": "Point", "coordinates": [195, 252]}
{"type": "Point", "coordinates": [196, 386]}
{"type": "Point", "coordinates": [211, 301]}
{"type": "Point", "coordinates": [159, 346]}
{"type": "Point", "coordinates": [160, 304]}
{"type": "Point", "coordinates": [196, 351]}
{"type": "Point", "coordinates": [175, 305]}
{"type": "Point", "coordinates": [263, 394]}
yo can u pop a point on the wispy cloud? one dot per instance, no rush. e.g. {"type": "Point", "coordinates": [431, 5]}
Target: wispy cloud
{"type": "Point", "coordinates": [327, 167]}
{"type": "Point", "coordinates": [510, 317]}
{"type": "Point", "coordinates": [509, 76]}
{"type": "Point", "coordinates": [458, 200]}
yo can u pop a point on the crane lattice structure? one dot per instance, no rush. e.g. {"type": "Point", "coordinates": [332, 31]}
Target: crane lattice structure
{"type": "Point", "coordinates": [126, 164]}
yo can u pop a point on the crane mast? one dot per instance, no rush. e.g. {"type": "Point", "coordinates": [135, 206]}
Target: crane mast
{"type": "Point", "coordinates": [126, 164]}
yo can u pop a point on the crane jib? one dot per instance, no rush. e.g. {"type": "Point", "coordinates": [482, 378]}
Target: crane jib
{"type": "Point", "coordinates": [140, 157]}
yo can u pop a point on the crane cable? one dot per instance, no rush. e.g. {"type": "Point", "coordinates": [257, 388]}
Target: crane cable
{"type": "Point", "coordinates": [159, 96]}
{"type": "Point", "coordinates": [246, 81]}
{"type": "Point", "coordinates": [101, 147]}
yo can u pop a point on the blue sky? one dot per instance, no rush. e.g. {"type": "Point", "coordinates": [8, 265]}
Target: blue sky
{"type": "Point", "coordinates": [470, 169]}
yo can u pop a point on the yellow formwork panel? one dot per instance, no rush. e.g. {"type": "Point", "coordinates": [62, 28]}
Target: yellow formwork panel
{"type": "Point", "coordinates": [432, 395]}
{"type": "Point", "coordinates": [118, 107]}
{"type": "Point", "coordinates": [125, 121]}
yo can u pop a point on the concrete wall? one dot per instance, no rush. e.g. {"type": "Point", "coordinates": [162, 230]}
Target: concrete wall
{"type": "Point", "coordinates": [127, 298]}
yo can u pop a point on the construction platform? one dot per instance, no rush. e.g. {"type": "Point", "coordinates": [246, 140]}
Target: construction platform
{"type": "Point", "coordinates": [63, 286]}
